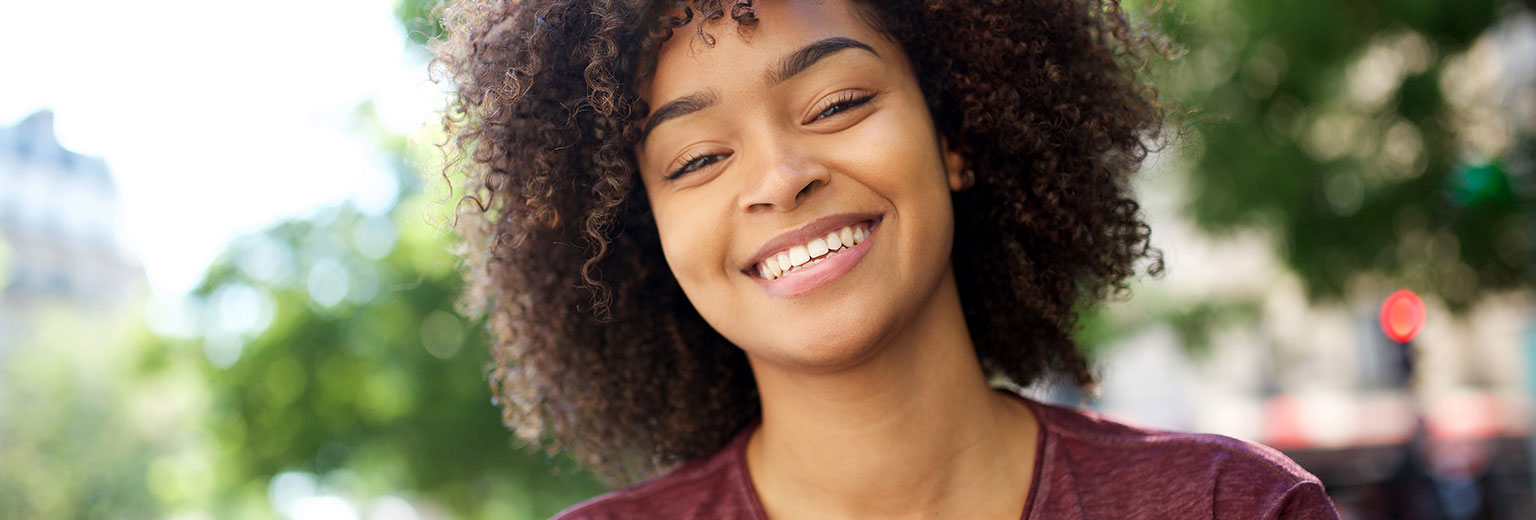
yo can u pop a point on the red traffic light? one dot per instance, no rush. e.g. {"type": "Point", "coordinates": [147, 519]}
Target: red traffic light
{"type": "Point", "coordinates": [1402, 315]}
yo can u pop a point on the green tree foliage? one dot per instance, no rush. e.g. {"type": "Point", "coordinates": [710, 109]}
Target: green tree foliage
{"type": "Point", "coordinates": [78, 432]}
{"type": "Point", "coordinates": [330, 347]}
{"type": "Point", "coordinates": [323, 351]}
{"type": "Point", "coordinates": [1335, 126]}
{"type": "Point", "coordinates": [420, 19]}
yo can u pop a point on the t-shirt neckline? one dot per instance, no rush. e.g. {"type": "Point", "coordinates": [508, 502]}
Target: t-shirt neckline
{"type": "Point", "coordinates": [738, 449]}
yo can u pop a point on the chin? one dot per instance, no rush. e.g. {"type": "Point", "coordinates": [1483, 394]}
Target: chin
{"type": "Point", "coordinates": [823, 348]}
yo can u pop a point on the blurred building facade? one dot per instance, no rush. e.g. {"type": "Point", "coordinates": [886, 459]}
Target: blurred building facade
{"type": "Point", "coordinates": [61, 242]}
{"type": "Point", "coordinates": [1440, 427]}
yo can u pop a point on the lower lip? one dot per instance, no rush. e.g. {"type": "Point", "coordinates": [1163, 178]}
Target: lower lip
{"type": "Point", "coordinates": [820, 275]}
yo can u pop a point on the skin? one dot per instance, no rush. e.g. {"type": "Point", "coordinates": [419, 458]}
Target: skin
{"type": "Point", "coordinates": [874, 404]}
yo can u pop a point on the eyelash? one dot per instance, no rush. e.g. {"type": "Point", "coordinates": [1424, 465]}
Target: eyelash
{"type": "Point", "coordinates": [845, 102]}
{"type": "Point", "coordinates": [695, 162]}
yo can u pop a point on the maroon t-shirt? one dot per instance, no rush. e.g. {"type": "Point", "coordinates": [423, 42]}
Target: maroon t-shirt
{"type": "Point", "coordinates": [1087, 467]}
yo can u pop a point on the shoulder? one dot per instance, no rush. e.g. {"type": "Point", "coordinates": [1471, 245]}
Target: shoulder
{"type": "Point", "coordinates": [1079, 429]}
{"type": "Point", "coordinates": [716, 486]}
{"type": "Point", "coordinates": [1173, 472]}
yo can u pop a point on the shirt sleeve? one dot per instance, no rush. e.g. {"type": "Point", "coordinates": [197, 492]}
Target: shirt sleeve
{"type": "Point", "coordinates": [1303, 501]}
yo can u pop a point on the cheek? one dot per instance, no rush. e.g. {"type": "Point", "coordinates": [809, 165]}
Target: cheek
{"type": "Point", "coordinates": [692, 243]}
{"type": "Point", "coordinates": [893, 151]}
{"type": "Point", "coordinates": [900, 161]}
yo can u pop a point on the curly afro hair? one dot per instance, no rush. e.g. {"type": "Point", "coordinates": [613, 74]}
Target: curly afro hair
{"type": "Point", "coordinates": [597, 351]}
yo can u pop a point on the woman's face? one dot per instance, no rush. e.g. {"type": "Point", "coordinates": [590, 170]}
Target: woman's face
{"type": "Point", "coordinates": [767, 152]}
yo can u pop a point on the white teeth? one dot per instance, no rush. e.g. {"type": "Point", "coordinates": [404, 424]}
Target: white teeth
{"type": "Point", "coordinates": [817, 247]}
{"type": "Point", "coordinates": [833, 241]}
{"type": "Point", "coordinates": [798, 255]}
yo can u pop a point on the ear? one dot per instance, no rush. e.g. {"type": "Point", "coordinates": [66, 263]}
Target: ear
{"type": "Point", "coordinates": [954, 166]}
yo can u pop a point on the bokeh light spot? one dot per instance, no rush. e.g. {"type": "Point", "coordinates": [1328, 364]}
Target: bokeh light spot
{"type": "Point", "coordinates": [442, 334]}
{"type": "Point", "coordinates": [374, 237]}
{"type": "Point", "coordinates": [1402, 315]}
{"type": "Point", "coordinates": [328, 282]}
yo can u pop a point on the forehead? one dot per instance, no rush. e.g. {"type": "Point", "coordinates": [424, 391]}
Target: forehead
{"type": "Point", "coordinates": [686, 64]}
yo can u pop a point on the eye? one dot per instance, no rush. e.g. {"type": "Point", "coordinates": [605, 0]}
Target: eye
{"type": "Point", "coordinates": [844, 102]}
{"type": "Point", "coordinates": [696, 162]}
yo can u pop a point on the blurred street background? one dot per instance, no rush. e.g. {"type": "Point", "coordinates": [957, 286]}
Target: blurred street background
{"type": "Point", "coordinates": [227, 291]}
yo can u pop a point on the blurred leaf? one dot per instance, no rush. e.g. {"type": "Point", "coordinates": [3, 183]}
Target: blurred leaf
{"type": "Point", "coordinates": [419, 19]}
{"type": "Point", "coordinates": [1331, 129]}
{"type": "Point", "coordinates": [374, 375]}
{"type": "Point", "coordinates": [78, 437]}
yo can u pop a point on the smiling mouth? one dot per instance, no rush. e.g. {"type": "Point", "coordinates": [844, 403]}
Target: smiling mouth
{"type": "Point", "coordinates": [793, 260]}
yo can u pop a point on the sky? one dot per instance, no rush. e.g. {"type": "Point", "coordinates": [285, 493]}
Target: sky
{"type": "Point", "coordinates": [217, 119]}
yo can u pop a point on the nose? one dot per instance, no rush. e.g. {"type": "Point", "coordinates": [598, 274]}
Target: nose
{"type": "Point", "coordinates": [790, 174]}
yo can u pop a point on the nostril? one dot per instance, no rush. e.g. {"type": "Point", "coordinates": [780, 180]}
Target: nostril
{"type": "Point", "coordinates": [780, 189]}
{"type": "Point", "coordinates": [808, 189]}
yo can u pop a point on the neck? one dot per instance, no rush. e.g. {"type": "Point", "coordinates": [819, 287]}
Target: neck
{"type": "Point", "coordinates": [913, 431]}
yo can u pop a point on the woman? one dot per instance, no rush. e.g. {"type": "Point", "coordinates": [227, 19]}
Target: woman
{"type": "Point", "coordinates": [769, 256]}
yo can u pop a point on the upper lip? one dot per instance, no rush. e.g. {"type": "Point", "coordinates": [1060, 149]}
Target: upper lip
{"type": "Point", "coordinates": [816, 228]}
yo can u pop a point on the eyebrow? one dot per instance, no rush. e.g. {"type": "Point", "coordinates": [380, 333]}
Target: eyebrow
{"type": "Point", "coordinates": [678, 108]}
{"type": "Point", "coordinates": [793, 64]}
{"type": "Point", "coordinates": [807, 56]}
